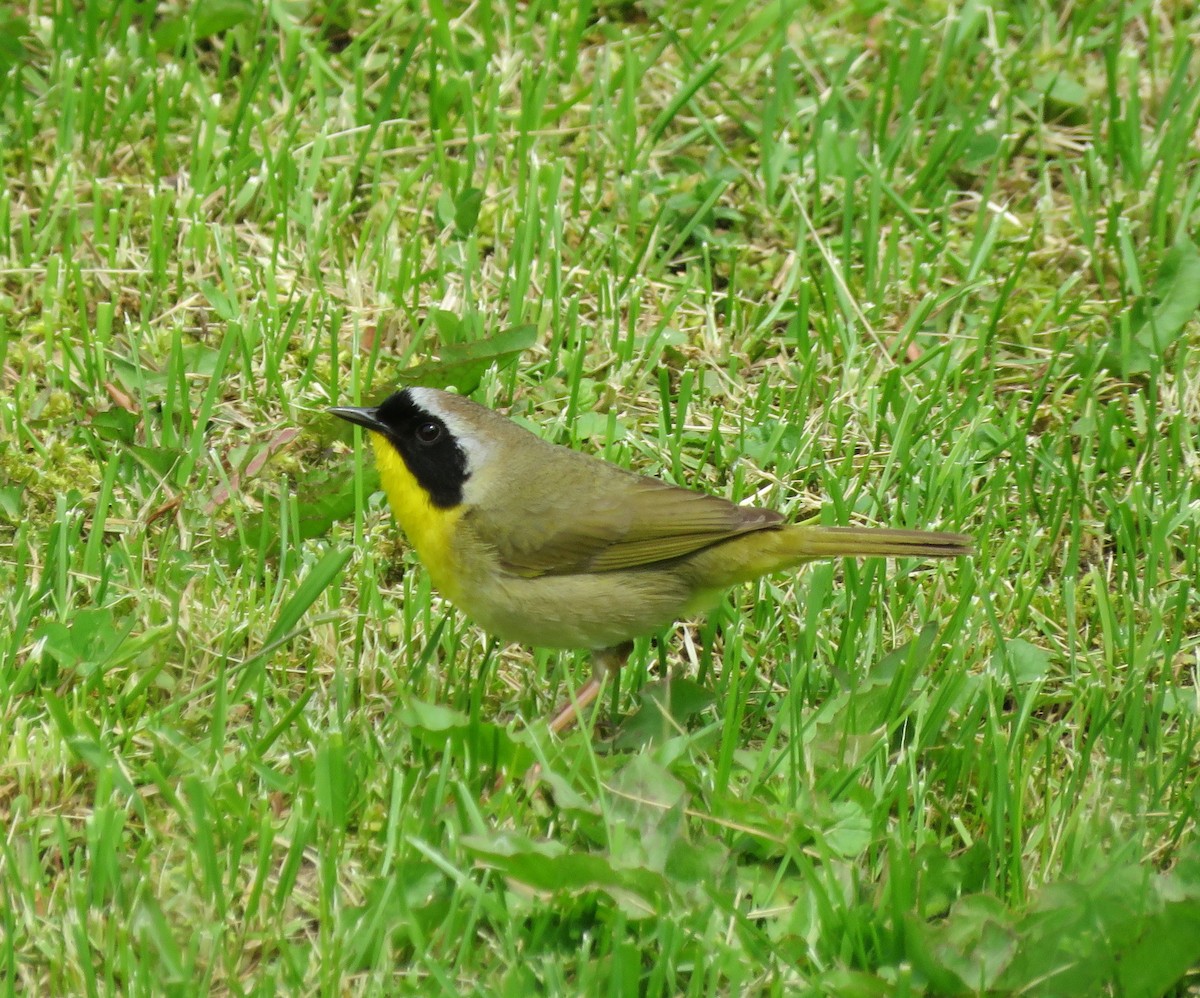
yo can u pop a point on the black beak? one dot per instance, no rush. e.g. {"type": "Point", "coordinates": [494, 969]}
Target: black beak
{"type": "Point", "coordinates": [367, 417]}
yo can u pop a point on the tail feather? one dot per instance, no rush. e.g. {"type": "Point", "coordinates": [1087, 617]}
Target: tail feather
{"type": "Point", "coordinates": [805, 542]}
{"type": "Point", "coordinates": [777, 549]}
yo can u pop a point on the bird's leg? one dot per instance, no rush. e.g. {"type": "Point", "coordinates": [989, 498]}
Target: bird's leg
{"type": "Point", "coordinates": [606, 663]}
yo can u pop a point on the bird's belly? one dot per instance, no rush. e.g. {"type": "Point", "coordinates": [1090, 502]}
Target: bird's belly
{"type": "Point", "coordinates": [575, 611]}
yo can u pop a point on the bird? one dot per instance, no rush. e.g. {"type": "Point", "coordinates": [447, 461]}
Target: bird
{"type": "Point", "coordinates": [546, 546]}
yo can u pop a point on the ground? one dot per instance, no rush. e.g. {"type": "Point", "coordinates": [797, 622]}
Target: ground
{"type": "Point", "coordinates": [910, 264]}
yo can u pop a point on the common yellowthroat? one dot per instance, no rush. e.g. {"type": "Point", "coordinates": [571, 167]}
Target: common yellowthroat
{"type": "Point", "coordinates": [546, 546]}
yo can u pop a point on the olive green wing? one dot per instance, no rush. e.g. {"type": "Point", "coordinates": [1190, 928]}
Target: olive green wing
{"type": "Point", "coordinates": [598, 518]}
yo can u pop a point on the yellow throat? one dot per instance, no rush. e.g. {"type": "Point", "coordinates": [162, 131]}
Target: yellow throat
{"type": "Point", "coordinates": [430, 530]}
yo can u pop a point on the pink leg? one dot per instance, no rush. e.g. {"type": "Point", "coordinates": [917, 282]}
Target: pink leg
{"type": "Point", "coordinates": [606, 663]}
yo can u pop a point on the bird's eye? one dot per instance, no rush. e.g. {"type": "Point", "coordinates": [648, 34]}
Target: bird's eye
{"type": "Point", "coordinates": [429, 432]}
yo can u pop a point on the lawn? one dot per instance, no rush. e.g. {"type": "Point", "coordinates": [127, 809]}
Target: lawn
{"type": "Point", "coordinates": [909, 264]}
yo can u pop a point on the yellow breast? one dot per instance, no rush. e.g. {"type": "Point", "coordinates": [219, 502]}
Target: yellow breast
{"type": "Point", "coordinates": [430, 530]}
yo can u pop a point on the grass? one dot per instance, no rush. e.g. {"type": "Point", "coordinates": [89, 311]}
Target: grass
{"type": "Point", "coordinates": [915, 264]}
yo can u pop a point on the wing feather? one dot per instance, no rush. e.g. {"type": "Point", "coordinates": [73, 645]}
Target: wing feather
{"type": "Point", "coordinates": [614, 520]}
